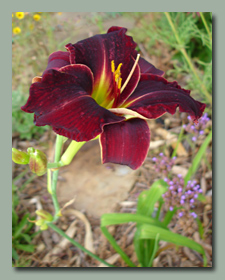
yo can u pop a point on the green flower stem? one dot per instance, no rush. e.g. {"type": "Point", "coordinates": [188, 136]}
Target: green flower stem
{"type": "Point", "coordinates": [65, 160]}
{"type": "Point", "coordinates": [51, 185]}
{"type": "Point", "coordinates": [63, 234]}
{"type": "Point", "coordinates": [70, 152]}
{"type": "Point", "coordinates": [183, 51]}
{"type": "Point", "coordinates": [54, 165]}
{"type": "Point", "coordinates": [58, 148]}
{"type": "Point", "coordinates": [49, 181]}
{"type": "Point", "coordinates": [206, 25]}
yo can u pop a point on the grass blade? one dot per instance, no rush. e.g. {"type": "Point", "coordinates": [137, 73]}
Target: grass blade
{"type": "Point", "coordinates": [121, 218]}
{"type": "Point", "coordinates": [21, 226]}
{"type": "Point", "coordinates": [147, 199]}
{"type": "Point", "coordinates": [118, 249]}
{"type": "Point", "coordinates": [156, 245]}
{"type": "Point", "coordinates": [151, 232]}
{"type": "Point", "coordinates": [26, 248]}
{"type": "Point", "coordinates": [198, 157]}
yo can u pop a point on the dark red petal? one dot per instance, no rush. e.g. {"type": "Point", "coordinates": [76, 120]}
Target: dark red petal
{"type": "Point", "coordinates": [81, 120]}
{"type": "Point", "coordinates": [155, 96]}
{"type": "Point", "coordinates": [98, 51]}
{"type": "Point", "coordinates": [126, 142]}
{"type": "Point", "coordinates": [114, 28]}
{"type": "Point", "coordinates": [146, 67]}
{"type": "Point", "coordinates": [56, 87]}
{"type": "Point", "coordinates": [62, 100]}
{"type": "Point", "coordinates": [57, 60]}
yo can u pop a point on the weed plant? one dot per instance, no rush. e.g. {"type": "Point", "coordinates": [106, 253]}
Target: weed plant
{"type": "Point", "coordinates": [188, 37]}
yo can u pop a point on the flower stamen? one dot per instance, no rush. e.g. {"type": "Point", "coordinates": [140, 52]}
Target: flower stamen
{"type": "Point", "coordinates": [117, 73]}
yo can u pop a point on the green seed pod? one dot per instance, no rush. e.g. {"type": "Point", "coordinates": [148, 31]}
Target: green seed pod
{"type": "Point", "coordinates": [20, 157]}
{"type": "Point", "coordinates": [37, 162]}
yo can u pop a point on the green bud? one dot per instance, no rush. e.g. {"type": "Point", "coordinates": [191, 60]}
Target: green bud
{"type": "Point", "coordinates": [44, 215]}
{"type": "Point", "coordinates": [42, 224]}
{"type": "Point", "coordinates": [20, 157]}
{"type": "Point", "coordinates": [38, 161]}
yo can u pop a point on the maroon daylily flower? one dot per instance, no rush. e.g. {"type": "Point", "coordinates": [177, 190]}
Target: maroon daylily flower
{"type": "Point", "coordinates": [99, 87]}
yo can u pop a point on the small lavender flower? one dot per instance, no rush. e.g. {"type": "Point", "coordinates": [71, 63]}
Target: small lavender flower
{"type": "Point", "coordinates": [176, 197]}
{"type": "Point", "coordinates": [196, 129]}
{"type": "Point", "coordinates": [180, 214]}
{"type": "Point", "coordinates": [194, 215]}
{"type": "Point", "coordinates": [163, 164]}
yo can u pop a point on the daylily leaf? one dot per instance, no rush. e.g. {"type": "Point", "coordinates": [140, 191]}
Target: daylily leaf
{"type": "Point", "coordinates": [149, 232]}
{"type": "Point", "coordinates": [148, 198]}
{"type": "Point", "coordinates": [120, 218]}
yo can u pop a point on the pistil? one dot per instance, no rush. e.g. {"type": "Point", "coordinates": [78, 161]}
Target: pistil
{"type": "Point", "coordinates": [131, 73]}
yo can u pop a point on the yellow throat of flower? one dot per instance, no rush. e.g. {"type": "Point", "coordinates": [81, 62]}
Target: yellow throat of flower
{"type": "Point", "coordinates": [111, 100]}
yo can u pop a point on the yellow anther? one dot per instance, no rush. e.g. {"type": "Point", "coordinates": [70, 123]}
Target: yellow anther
{"type": "Point", "coordinates": [118, 69]}
{"type": "Point", "coordinates": [113, 66]}
{"type": "Point", "coordinates": [117, 73]}
{"type": "Point", "coordinates": [119, 83]}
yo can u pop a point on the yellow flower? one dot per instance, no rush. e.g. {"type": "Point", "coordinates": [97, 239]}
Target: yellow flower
{"type": "Point", "coordinates": [16, 30]}
{"type": "Point", "coordinates": [20, 15]}
{"type": "Point", "coordinates": [36, 17]}
{"type": "Point", "coordinates": [59, 13]}
{"type": "Point", "coordinates": [12, 15]}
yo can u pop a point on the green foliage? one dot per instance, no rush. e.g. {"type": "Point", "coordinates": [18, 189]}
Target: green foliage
{"type": "Point", "coordinates": [189, 35]}
{"type": "Point", "coordinates": [21, 228]}
{"type": "Point", "coordinates": [21, 122]}
{"type": "Point", "coordinates": [195, 164]}
{"type": "Point", "coordinates": [151, 225]}
{"type": "Point", "coordinates": [149, 229]}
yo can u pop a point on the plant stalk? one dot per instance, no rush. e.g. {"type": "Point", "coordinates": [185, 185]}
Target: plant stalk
{"type": "Point", "coordinates": [183, 51]}
{"type": "Point", "coordinates": [58, 148]}
{"type": "Point", "coordinates": [63, 234]}
{"type": "Point", "coordinates": [206, 25]}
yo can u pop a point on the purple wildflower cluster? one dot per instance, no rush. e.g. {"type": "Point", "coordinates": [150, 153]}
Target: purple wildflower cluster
{"type": "Point", "coordinates": [197, 129]}
{"type": "Point", "coordinates": [163, 164]}
{"type": "Point", "coordinates": [176, 196]}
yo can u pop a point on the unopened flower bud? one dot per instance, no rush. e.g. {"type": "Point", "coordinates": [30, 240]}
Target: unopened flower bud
{"type": "Point", "coordinates": [20, 157]}
{"type": "Point", "coordinates": [44, 215]}
{"type": "Point", "coordinates": [37, 162]}
{"type": "Point", "coordinates": [44, 218]}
